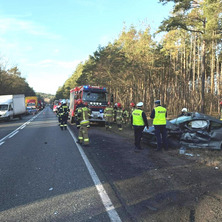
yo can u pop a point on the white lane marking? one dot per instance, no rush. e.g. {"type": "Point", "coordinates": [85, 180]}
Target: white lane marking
{"type": "Point", "coordinates": [2, 143]}
{"type": "Point", "coordinates": [23, 127]}
{"type": "Point", "coordinates": [110, 209]}
{"type": "Point", "coordinates": [13, 134]}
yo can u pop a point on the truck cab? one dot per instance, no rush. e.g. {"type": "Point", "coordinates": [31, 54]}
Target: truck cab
{"type": "Point", "coordinates": [95, 96]}
{"type": "Point", "coordinates": [6, 111]}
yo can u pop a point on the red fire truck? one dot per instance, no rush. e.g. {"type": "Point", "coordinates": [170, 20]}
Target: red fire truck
{"type": "Point", "coordinates": [95, 96]}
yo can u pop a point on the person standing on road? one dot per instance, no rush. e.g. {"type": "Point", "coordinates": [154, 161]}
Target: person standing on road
{"type": "Point", "coordinates": [125, 116]}
{"type": "Point", "coordinates": [83, 114]}
{"type": "Point", "coordinates": [108, 113]}
{"type": "Point", "coordinates": [132, 108]}
{"type": "Point", "coordinates": [59, 115]}
{"type": "Point", "coordinates": [78, 107]}
{"type": "Point", "coordinates": [139, 121]}
{"type": "Point", "coordinates": [64, 115]}
{"type": "Point", "coordinates": [159, 115]}
{"type": "Point", "coordinates": [119, 116]}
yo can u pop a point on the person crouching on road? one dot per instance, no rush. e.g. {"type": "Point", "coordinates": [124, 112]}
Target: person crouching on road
{"type": "Point", "coordinates": [83, 114]}
{"type": "Point", "coordinates": [108, 113]}
{"type": "Point", "coordinates": [139, 121]}
{"type": "Point", "coordinates": [159, 115]}
{"type": "Point", "coordinates": [119, 116]}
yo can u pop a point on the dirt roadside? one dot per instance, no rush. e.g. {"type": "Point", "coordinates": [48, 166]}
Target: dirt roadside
{"type": "Point", "coordinates": [159, 187]}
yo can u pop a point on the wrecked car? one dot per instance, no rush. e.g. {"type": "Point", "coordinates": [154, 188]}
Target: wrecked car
{"type": "Point", "coordinates": [196, 130]}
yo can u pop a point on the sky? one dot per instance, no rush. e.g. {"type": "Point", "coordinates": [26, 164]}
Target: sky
{"type": "Point", "coordinates": [47, 39]}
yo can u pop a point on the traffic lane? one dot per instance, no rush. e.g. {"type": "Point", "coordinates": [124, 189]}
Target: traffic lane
{"type": "Point", "coordinates": [43, 177]}
{"type": "Point", "coordinates": [6, 127]}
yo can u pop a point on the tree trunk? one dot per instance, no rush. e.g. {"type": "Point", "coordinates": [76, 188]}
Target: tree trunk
{"type": "Point", "coordinates": [203, 76]}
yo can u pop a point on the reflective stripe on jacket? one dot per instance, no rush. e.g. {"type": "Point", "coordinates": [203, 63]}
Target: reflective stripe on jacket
{"type": "Point", "coordinates": [160, 116]}
{"type": "Point", "coordinates": [108, 111]}
{"type": "Point", "coordinates": [119, 114]}
{"type": "Point", "coordinates": [137, 117]}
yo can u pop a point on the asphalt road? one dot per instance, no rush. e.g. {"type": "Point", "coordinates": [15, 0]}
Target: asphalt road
{"type": "Point", "coordinates": [44, 175]}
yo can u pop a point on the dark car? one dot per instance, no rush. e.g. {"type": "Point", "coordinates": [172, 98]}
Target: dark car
{"type": "Point", "coordinates": [194, 131]}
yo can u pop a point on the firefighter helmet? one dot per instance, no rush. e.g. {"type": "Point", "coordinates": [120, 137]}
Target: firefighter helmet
{"type": "Point", "coordinates": [119, 105]}
{"type": "Point", "coordinates": [132, 104]}
{"type": "Point", "coordinates": [79, 101]}
{"type": "Point", "coordinates": [63, 101]}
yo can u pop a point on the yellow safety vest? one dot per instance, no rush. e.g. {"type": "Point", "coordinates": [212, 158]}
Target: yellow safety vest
{"type": "Point", "coordinates": [137, 117]}
{"type": "Point", "coordinates": [160, 116]}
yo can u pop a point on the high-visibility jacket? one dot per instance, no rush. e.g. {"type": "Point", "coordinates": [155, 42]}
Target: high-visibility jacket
{"type": "Point", "coordinates": [137, 117]}
{"type": "Point", "coordinates": [160, 116]}
{"type": "Point", "coordinates": [126, 113]}
{"type": "Point", "coordinates": [119, 114]}
{"type": "Point", "coordinates": [108, 111]}
{"type": "Point", "coordinates": [64, 108]}
{"type": "Point", "coordinates": [83, 113]}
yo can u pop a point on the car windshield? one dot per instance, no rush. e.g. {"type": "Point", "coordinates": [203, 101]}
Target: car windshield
{"type": "Point", "coordinates": [94, 97]}
{"type": "Point", "coordinates": [4, 107]}
{"type": "Point", "coordinates": [180, 119]}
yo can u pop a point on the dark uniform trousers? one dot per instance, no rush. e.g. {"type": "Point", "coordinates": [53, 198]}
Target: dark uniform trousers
{"type": "Point", "coordinates": [161, 132]}
{"type": "Point", "coordinates": [138, 131]}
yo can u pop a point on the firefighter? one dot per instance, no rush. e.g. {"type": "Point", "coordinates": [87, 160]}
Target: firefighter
{"type": "Point", "coordinates": [139, 121]}
{"type": "Point", "coordinates": [64, 115]}
{"type": "Point", "coordinates": [125, 116]}
{"type": "Point", "coordinates": [59, 114]}
{"type": "Point", "coordinates": [114, 112]}
{"type": "Point", "coordinates": [119, 116]}
{"type": "Point", "coordinates": [221, 110]}
{"type": "Point", "coordinates": [132, 108]}
{"type": "Point", "coordinates": [77, 118]}
{"type": "Point", "coordinates": [108, 113]}
{"type": "Point", "coordinates": [159, 115]}
{"type": "Point", "coordinates": [83, 114]}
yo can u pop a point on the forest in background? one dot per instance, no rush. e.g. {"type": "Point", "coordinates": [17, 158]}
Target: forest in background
{"type": "Point", "coordinates": [184, 69]}
{"type": "Point", "coordinates": [11, 82]}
